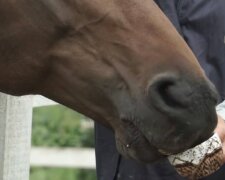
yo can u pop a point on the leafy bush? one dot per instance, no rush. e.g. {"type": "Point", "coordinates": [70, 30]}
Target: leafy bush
{"type": "Point", "coordinates": [58, 126]}
{"type": "Point", "coordinates": [61, 174]}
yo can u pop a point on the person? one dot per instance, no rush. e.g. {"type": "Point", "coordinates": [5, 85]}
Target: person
{"type": "Point", "coordinates": [202, 24]}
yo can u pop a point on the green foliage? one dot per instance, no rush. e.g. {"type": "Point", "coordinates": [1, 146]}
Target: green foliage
{"type": "Point", "coordinates": [61, 174]}
{"type": "Point", "coordinates": [58, 126]}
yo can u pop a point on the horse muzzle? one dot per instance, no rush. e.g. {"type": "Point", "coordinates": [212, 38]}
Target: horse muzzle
{"type": "Point", "coordinates": [183, 112]}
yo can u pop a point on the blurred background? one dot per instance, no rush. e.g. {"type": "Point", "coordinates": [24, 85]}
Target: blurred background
{"type": "Point", "coordinates": [62, 145]}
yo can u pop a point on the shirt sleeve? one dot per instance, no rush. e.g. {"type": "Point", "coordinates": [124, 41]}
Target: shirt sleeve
{"type": "Point", "coordinates": [220, 109]}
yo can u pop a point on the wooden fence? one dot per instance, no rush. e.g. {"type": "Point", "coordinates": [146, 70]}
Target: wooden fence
{"type": "Point", "coordinates": [15, 141]}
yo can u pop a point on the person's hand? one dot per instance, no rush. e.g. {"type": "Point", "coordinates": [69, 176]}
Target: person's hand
{"type": "Point", "coordinates": [220, 130]}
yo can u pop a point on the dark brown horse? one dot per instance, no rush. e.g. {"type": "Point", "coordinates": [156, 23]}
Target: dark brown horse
{"type": "Point", "coordinates": [119, 62]}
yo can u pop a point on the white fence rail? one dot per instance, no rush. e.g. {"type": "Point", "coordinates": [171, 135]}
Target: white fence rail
{"type": "Point", "coordinates": [15, 141]}
{"type": "Point", "coordinates": [39, 101]}
{"type": "Point", "coordinates": [63, 157]}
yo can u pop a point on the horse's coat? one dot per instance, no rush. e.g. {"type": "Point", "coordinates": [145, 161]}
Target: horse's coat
{"type": "Point", "coordinates": [119, 62]}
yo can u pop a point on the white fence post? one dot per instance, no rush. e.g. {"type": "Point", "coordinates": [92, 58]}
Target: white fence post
{"type": "Point", "coordinates": [15, 137]}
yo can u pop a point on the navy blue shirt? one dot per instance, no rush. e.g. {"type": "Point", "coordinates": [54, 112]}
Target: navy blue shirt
{"type": "Point", "coordinates": [202, 25]}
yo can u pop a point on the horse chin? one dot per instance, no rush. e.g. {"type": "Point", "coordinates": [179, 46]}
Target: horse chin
{"type": "Point", "coordinates": [140, 154]}
{"type": "Point", "coordinates": [139, 149]}
{"type": "Point", "coordinates": [132, 143]}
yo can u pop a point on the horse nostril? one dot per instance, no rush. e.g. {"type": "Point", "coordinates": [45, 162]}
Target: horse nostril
{"type": "Point", "coordinates": [165, 90]}
{"type": "Point", "coordinates": [168, 91]}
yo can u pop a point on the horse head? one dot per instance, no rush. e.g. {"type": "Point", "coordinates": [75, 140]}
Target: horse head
{"type": "Point", "coordinates": [122, 63]}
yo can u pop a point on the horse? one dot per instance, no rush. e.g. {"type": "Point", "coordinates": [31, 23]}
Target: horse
{"type": "Point", "coordinates": [121, 63]}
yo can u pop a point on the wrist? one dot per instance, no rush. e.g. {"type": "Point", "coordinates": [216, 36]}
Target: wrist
{"type": "Point", "coordinates": [220, 109]}
{"type": "Point", "coordinates": [220, 129]}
